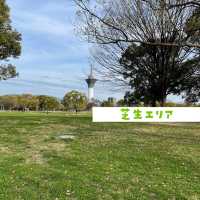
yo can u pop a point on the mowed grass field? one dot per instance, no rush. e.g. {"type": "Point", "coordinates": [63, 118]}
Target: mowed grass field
{"type": "Point", "coordinates": [112, 161]}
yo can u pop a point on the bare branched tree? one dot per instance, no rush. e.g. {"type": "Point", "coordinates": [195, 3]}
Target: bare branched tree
{"type": "Point", "coordinates": [114, 26]}
{"type": "Point", "coordinates": [107, 21]}
{"type": "Point", "coordinates": [185, 4]}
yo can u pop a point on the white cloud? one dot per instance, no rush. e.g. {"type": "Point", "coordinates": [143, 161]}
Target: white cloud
{"type": "Point", "coordinates": [41, 24]}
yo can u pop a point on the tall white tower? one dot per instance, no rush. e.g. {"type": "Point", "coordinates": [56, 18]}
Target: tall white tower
{"type": "Point", "coordinates": [91, 80]}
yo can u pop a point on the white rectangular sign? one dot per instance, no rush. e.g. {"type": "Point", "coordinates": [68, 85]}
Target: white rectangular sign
{"type": "Point", "coordinates": [146, 114]}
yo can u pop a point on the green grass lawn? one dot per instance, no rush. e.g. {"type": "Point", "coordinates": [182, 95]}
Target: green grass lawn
{"type": "Point", "coordinates": [103, 162]}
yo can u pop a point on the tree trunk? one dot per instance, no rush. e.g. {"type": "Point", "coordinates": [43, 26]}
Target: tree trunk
{"type": "Point", "coordinates": [163, 101]}
{"type": "Point", "coordinates": [153, 103]}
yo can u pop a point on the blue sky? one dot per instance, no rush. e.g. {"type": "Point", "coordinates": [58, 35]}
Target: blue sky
{"type": "Point", "coordinates": [54, 60]}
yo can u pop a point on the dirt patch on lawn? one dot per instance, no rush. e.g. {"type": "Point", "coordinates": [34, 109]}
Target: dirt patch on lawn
{"type": "Point", "coordinates": [34, 157]}
{"type": "Point", "coordinates": [38, 145]}
{"type": "Point", "coordinates": [4, 150]}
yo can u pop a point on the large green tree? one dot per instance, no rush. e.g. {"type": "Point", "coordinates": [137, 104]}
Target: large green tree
{"type": "Point", "coordinates": [75, 101]}
{"type": "Point", "coordinates": [10, 43]}
{"type": "Point", "coordinates": [156, 72]}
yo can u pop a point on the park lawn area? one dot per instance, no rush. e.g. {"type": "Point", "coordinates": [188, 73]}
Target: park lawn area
{"type": "Point", "coordinates": [104, 161]}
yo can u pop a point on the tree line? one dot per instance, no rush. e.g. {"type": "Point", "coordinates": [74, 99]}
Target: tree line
{"type": "Point", "coordinates": [28, 102]}
{"type": "Point", "coordinates": [73, 101]}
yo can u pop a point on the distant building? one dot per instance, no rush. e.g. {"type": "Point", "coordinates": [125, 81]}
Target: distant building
{"type": "Point", "coordinates": [112, 101]}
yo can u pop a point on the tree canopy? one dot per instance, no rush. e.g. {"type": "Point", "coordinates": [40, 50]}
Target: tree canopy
{"type": "Point", "coordinates": [151, 46]}
{"type": "Point", "coordinates": [75, 101]}
{"type": "Point", "coordinates": [30, 102]}
{"type": "Point", "coordinates": [10, 43]}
